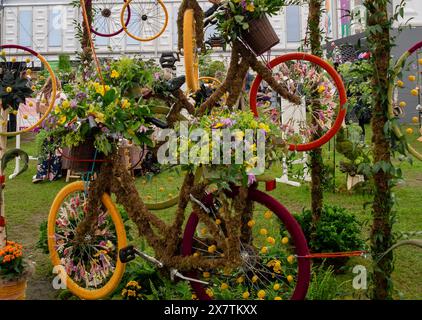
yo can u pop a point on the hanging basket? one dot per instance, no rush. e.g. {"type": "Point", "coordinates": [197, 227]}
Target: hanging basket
{"type": "Point", "coordinates": [260, 36]}
{"type": "Point", "coordinates": [13, 290]}
{"type": "Point", "coordinates": [82, 156]}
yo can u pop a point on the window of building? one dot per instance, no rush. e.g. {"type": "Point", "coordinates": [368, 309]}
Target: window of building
{"type": "Point", "coordinates": [55, 27]}
{"type": "Point", "coordinates": [293, 23]}
{"type": "Point", "coordinates": [25, 28]}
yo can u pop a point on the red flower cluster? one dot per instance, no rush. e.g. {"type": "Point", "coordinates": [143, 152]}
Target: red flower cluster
{"type": "Point", "coordinates": [10, 252]}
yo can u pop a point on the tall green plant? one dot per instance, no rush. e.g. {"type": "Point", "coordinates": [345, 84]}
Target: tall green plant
{"type": "Point", "coordinates": [317, 165]}
{"type": "Point", "coordinates": [384, 143]}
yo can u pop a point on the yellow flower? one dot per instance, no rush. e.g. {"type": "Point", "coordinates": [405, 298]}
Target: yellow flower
{"type": "Point", "coordinates": [9, 89]}
{"type": "Point", "coordinates": [412, 78]}
{"type": "Point", "coordinates": [209, 292]}
{"type": "Point", "coordinates": [268, 214]}
{"type": "Point", "coordinates": [415, 120]}
{"type": "Point", "coordinates": [115, 74]}
{"type": "Point", "coordinates": [203, 231]}
{"type": "Point", "coordinates": [3, 53]}
{"type": "Point", "coordinates": [196, 254]}
{"type": "Point", "coordinates": [261, 294]}
{"type": "Point", "coordinates": [13, 59]}
{"type": "Point", "coordinates": [194, 297]}
{"type": "Point", "coordinates": [285, 240]}
{"type": "Point", "coordinates": [65, 104]}
{"type": "Point", "coordinates": [264, 250]}
{"type": "Point", "coordinates": [278, 298]}
{"type": "Point", "coordinates": [321, 89]}
{"type": "Point", "coordinates": [240, 279]}
{"type": "Point", "coordinates": [131, 293]}
{"type": "Point", "coordinates": [400, 84]}
{"type": "Point", "coordinates": [402, 104]}
{"type": "Point", "coordinates": [251, 223]}
{"type": "Point", "coordinates": [276, 287]}
{"type": "Point", "coordinates": [28, 72]}
{"type": "Point", "coordinates": [290, 259]}
{"type": "Point", "coordinates": [409, 131]}
{"type": "Point", "coordinates": [254, 278]}
{"type": "Point", "coordinates": [239, 135]}
{"type": "Point", "coordinates": [415, 92]}
{"type": "Point", "coordinates": [125, 103]}
{"type": "Point", "coordinates": [254, 124]}
{"type": "Point", "coordinates": [27, 60]}
{"type": "Point", "coordinates": [25, 116]}
{"type": "Point", "coordinates": [132, 133]}
{"type": "Point", "coordinates": [206, 274]}
{"type": "Point", "coordinates": [212, 249]}
{"type": "Point", "coordinates": [271, 240]}
{"type": "Point", "coordinates": [264, 127]}
{"type": "Point", "coordinates": [263, 231]}
{"type": "Point", "coordinates": [31, 104]}
{"type": "Point", "coordinates": [224, 286]}
{"type": "Point", "coordinates": [250, 7]}
{"type": "Point", "coordinates": [245, 295]}
{"type": "Point", "coordinates": [62, 120]}
{"type": "Point", "coordinates": [290, 278]}
{"type": "Point", "coordinates": [217, 221]}
{"type": "Point", "coordinates": [218, 125]}
{"type": "Point", "coordinates": [33, 88]}
{"type": "Point", "coordinates": [420, 61]}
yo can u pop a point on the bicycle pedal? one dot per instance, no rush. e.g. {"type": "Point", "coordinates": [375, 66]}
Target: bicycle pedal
{"type": "Point", "coordinates": [127, 254]}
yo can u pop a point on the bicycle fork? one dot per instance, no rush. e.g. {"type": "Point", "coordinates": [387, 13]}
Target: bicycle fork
{"type": "Point", "coordinates": [129, 253]}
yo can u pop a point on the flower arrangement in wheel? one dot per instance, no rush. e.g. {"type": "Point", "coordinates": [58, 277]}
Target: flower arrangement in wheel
{"type": "Point", "coordinates": [231, 240]}
{"type": "Point", "coordinates": [22, 87]}
{"type": "Point", "coordinates": [106, 17]}
{"type": "Point", "coordinates": [408, 90]}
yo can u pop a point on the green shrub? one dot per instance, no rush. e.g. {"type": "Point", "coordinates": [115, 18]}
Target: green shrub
{"type": "Point", "coordinates": [337, 231]}
{"type": "Point", "coordinates": [323, 284]}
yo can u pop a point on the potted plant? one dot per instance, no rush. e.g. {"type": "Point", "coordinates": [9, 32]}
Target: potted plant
{"type": "Point", "coordinates": [248, 20]}
{"type": "Point", "coordinates": [14, 272]}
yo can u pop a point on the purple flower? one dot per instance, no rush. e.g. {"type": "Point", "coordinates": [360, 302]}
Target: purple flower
{"type": "Point", "coordinates": [80, 96]}
{"type": "Point", "coordinates": [251, 179]}
{"type": "Point", "coordinates": [73, 103]}
{"type": "Point", "coordinates": [157, 76]}
{"type": "Point", "coordinates": [228, 122]}
{"type": "Point", "coordinates": [143, 129]}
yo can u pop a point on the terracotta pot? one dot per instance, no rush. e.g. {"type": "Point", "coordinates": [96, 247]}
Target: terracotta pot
{"type": "Point", "coordinates": [13, 290]}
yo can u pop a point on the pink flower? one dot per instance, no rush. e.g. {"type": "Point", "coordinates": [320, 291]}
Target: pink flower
{"type": "Point", "coordinates": [251, 179]}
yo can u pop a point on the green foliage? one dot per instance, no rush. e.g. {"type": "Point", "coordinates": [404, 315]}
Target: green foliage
{"type": "Point", "coordinates": [337, 230]}
{"type": "Point", "coordinates": [323, 284]}
{"type": "Point", "coordinates": [64, 63]}
{"type": "Point", "coordinates": [42, 242]}
{"type": "Point", "coordinates": [211, 68]}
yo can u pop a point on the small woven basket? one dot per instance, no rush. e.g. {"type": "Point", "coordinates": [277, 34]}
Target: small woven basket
{"type": "Point", "coordinates": [83, 155]}
{"type": "Point", "coordinates": [260, 36]}
{"type": "Point", "coordinates": [15, 290]}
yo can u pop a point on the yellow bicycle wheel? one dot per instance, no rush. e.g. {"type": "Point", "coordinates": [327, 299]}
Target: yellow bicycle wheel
{"type": "Point", "coordinates": [21, 86]}
{"type": "Point", "coordinates": [147, 22]}
{"type": "Point", "coordinates": [190, 51]}
{"type": "Point", "coordinates": [91, 267]}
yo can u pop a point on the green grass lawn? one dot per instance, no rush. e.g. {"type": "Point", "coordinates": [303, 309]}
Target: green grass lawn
{"type": "Point", "coordinates": [27, 205]}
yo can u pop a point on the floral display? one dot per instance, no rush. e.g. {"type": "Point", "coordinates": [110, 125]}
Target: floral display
{"type": "Point", "coordinates": [12, 263]}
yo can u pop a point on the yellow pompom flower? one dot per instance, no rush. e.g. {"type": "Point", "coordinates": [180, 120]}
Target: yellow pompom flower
{"type": "Point", "coordinates": [203, 231]}
{"type": "Point", "coordinates": [240, 279]}
{"type": "Point", "coordinates": [261, 294]}
{"type": "Point", "coordinates": [224, 286]}
{"type": "Point", "coordinates": [206, 274]}
{"type": "Point", "coordinates": [9, 89]}
{"type": "Point", "coordinates": [276, 287]}
{"type": "Point", "coordinates": [409, 131]}
{"type": "Point", "coordinates": [415, 120]}
{"type": "Point", "coordinates": [13, 59]}
{"type": "Point", "coordinates": [268, 214]}
{"type": "Point", "coordinates": [196, 254]}
{"type": "Point", "coordinates": [30, 104]}
{"type": "Point", "coordinates": [264, 250]}
{"type": "Point", "coordinates": [290, 278]}
{"type": "Point", "coordinates": [62, 120]}
{"type": "Point", "coordinates": [25, 116]}
{"type": "Point", "coordinates": [321, 89]}
{"type": "Point", "coordinates": [263, 231]}
{"type": "Point", "coordinates": [217, 221]}
{"type": "Point", "coordinates": [412, 78]}
{"type": "Point", "coordinates": [264, 127]}
{"type": "Point", "coordinates": [400, 84]}
{"type": "Point", "coordinates": [415, 92]}
{"type": "Point", "coordinates": [250, 7]}
{"type": "Point", "coordinates": [402, 104]}
{"type": "Point", "coordinates": [209, 292]}
{"type": "Point", "coordinates": [255, 278]}
{"type": "Point", "coordinates": [290, 259]}
{"type": "Point", "coordinates": [420, 61]}
{"type": "Point", "coordinates": [3, 53]}
{"type": "Point", "coordinates": [271, 240]}
{"type": "Point", "coordinates": [212, 249]}
{"type": "Point", "coordinates": [278, 298]}
{"type": "Point", "coordinates": [245, 295]}
{"type": "Point", "coordinates": [27, 60]}
{"type": "Point", "coordinates": [28, 72]}
{"type": "Point", "coordinates": [251, 223]}
{"type": "Point", "coordinates": [125, 103]}
{"type": "Point", "coordinates": [285, 240]}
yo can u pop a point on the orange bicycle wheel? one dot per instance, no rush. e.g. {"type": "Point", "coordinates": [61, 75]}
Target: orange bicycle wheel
{"type": "Point", "coordinates": [148, 20]}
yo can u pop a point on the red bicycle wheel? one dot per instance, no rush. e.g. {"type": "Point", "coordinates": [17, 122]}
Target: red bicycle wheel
{"type": "Point", "coordinates": [106, 17]}
{"type": "Point", "coordinates": [271, 267]}
{"type": "Point", "coordinates": [318, 84]}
